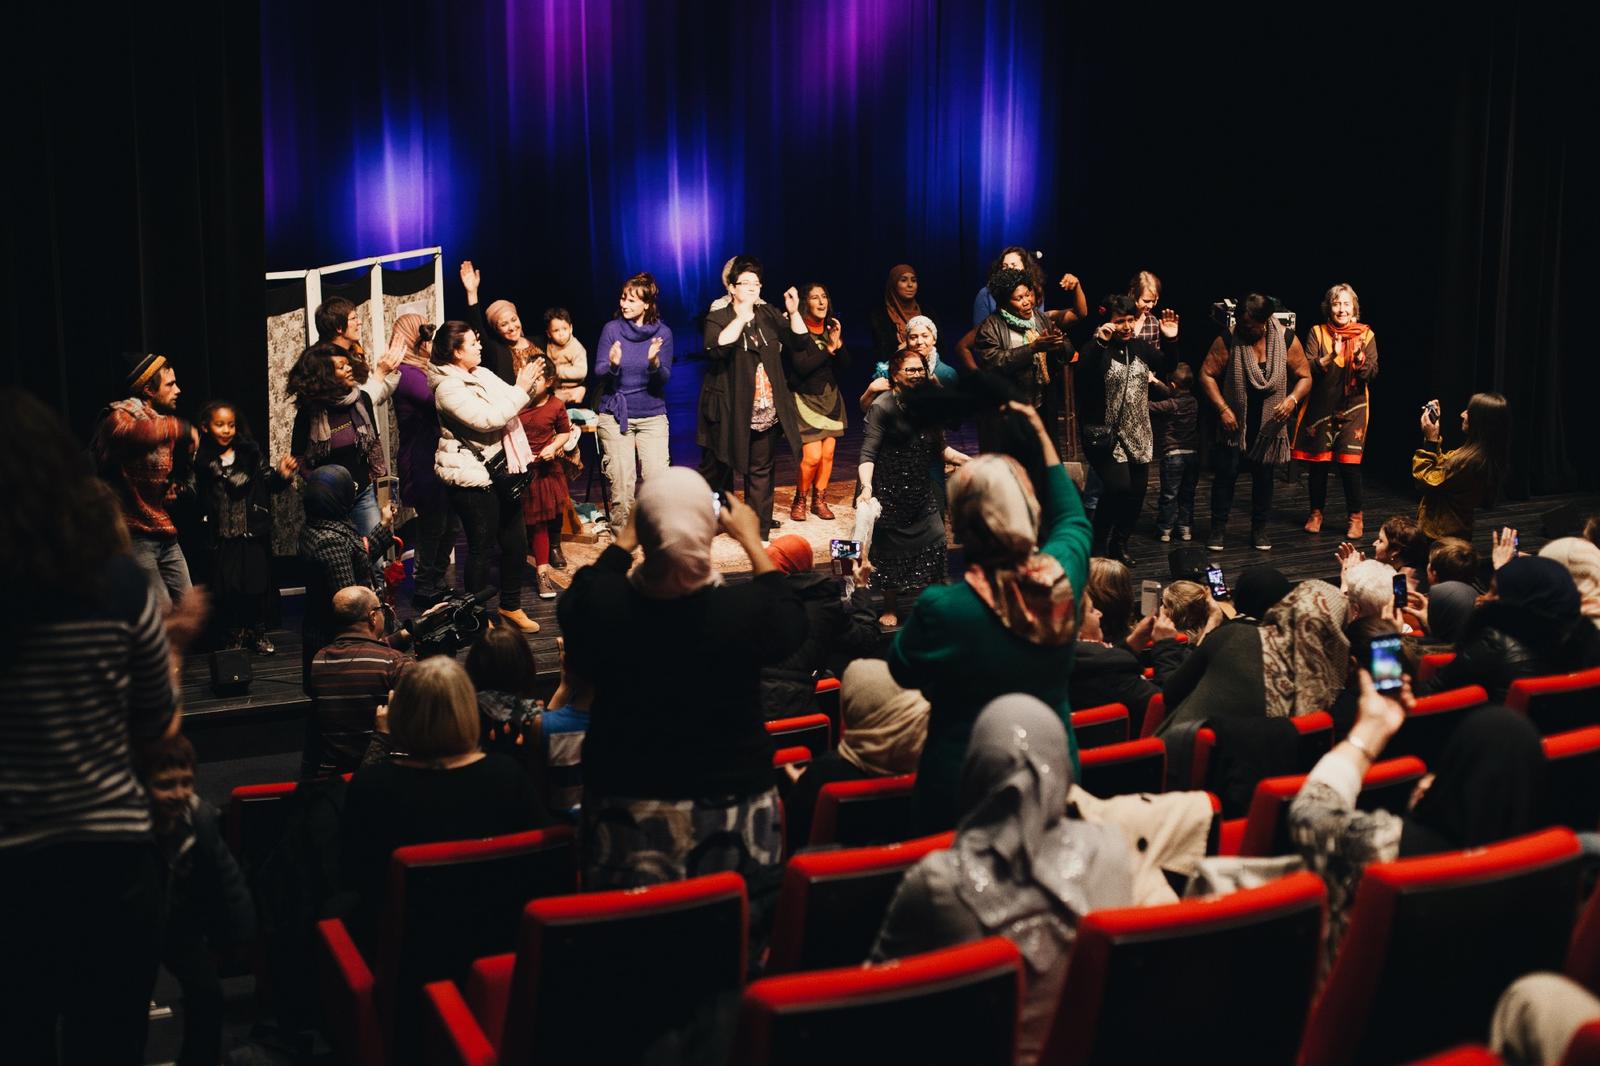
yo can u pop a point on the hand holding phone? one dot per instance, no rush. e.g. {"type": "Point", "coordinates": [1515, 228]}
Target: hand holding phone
{"type": "Point", "coordinates": [1219, 589]}
{"type": "Point", "coordinates": [1385, 666]}
{"type": "Point", "coordinates": [1401, 591]}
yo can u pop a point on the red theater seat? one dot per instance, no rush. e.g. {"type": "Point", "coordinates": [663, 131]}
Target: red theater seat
{"type": "Point", "coordinates": [255, 820]}
{"type": "Point", "coordinates": [1096, 727]}
{"type": "Point", "coordinates": [598, 977]}
{"type": "Point", "coordinates": [1432, 663]}
{"type": "Point", "coordinates": [805, 731]}
{"type": "Point", "coordinates": [828, 703]}
{"type": "Point", "coordinates": [1583, 954]}
{"type": "Point", "coordinates": [832, 903]}
{"type": "Point", "coordinates": [860, 813]}
{"type": "Point", "coordinates": [1227, 978]}
{"type": "Point", "coordinates": [1386, 786]}
{"type": "Point", "coordinates": [1572, 783]}
{"type": "Point", "coordinates": [957, 1005]}
{"type": "Point", "coordinates": [1432, 719]}
{"type": "Point", "coordinates": [1560, 702]}
{"type": "Point", "coordinates": [1154, 712]}
{"type": "Point", "coordinates": [1122, 769]}
{"type": "Point", "coordinates": [1432, 942]}
{"type": "Point", "coordinates": [794, 756]}
{"type": "Point", "coordinates": [1316, 740]}
{"type": "Point", "coordinates": [444, 906]}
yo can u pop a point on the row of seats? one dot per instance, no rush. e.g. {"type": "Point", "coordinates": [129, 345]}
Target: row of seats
{"type": "Point", "coordinates": [1432, 943]}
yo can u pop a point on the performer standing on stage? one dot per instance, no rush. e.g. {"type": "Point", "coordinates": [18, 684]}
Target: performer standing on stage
{"type": "Point", "coordinates": [745, 403]}
{"type": "Point", "coordinates": [1343, 356]}
{"type": "Point", "coordinates": [819, 402]}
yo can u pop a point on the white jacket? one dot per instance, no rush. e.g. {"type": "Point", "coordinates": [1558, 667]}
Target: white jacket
{"type": "Point", "coordinates": [476, 411]}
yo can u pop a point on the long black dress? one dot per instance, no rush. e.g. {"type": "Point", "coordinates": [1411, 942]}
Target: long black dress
{"type": "Point", "coordinates": [908, 541]}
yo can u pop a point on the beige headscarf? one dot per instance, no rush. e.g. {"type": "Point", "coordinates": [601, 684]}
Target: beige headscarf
{"type": "Point", "coordinates": [1305, 656]}
{"type": "Point", "coordinates": [996, 516]}
{"type": "Point", "coordinates": [403, 338]}
{"type": "Point", "coordinates": [1582, 560]}
{"type": "Point", "coordinates": [676, 522]}
{"type": "Point", "coordinates": [884, 725]}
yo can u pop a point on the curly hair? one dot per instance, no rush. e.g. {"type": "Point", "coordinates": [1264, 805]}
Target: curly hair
{"type": "Point", "coordinates": [311, 379]}
{"type": "Point", "coordinates": [1004, 282]}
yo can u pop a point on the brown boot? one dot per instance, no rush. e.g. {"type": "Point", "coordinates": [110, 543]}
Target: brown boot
{"type": "Point", "coordinates": [1314, 523]}
{"type": "Point", "coordinates": [1356, 530]}
{"type": "Point", "coordinates": [797, 513]}
{"type": "Point", "coordinates": [819, 505]}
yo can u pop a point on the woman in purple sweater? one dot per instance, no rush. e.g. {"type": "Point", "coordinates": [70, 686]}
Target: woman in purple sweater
{"type": "Point", "coordinates": [420, 487]}
{"type": "Point", "coordinates": [633, 361]}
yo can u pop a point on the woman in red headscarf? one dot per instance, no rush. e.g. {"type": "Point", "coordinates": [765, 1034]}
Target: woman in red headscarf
{"type": "Point", "coordinates": [1332, 430]}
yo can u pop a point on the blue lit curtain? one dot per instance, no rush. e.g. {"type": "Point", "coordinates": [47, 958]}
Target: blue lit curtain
{"type": "Point", "coordinates": [565, 144]}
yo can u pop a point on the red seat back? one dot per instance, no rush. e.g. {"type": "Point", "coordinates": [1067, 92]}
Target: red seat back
{"type": "Point", "coordinates": [1432, 720]}
{"type": "Point", "coordinates": [1154, 712]}
{"type": "Point", "coordinates": [805, 731]}
{"type": "Point", "coordinates": [1315, 739]}
{"type": "Point", "coordinates": [861, 813]}
{"type": "Point", "coordinates": [832, 903]}
{"type": "Point", "coordinates": [1386, 786]}
{"type": "Point", "coordinates": [1432, 942]}
{"type": "Point", "coordinates": [1560, 702]}
{"type": "Point", "coordinates": [828, 703]}
{"type": "Point", "coordinates": [959, 1004]}
{"type": "Point", "coordinates": [1123, 769]}
{"type": "Point", "coordinates": [667, 953]}
{"type": "Point", "coordinates": [1171, 983]}
{"type": "Point", "coordinates": [1432, 663]}
{"type": "Point", "coordinates": [255, 822]}
{"type": "Point", "coordinates": [1096, 727]}
{"type": "Point", "coordinates": [1572, 780]}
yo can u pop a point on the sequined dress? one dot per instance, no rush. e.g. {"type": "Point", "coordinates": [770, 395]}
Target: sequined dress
{"type": "Point", "coordinates": [908, 541]}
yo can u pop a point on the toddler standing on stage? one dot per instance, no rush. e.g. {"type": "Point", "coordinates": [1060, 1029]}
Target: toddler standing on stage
{"type": "Point", "coordinates": [1176, 423]}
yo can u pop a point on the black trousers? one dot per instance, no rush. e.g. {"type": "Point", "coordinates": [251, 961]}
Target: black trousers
{"type": "Point", "coordinates": [191, 963]}
{"type": "Point", "coordinates": [80, 941]}
{"type": "Point", "coordinates": [758, 479]}
{"type": "Point", "coordinates": [436, 535]}
{"type": "Point", "coordinates": [1230, 462]}
{"type": "Point", "coordinates": [494, 527]}
{"type": "Point", "coordinates": [1317, 485]}
{"type": "Point", "coordinates": [1121, 499]}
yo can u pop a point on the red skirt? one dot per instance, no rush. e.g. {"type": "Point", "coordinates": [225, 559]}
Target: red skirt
{"type": "Point", "coordinates": [545, 499]}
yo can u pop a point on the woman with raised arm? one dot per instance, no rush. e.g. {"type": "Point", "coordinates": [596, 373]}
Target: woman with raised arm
{"type": "Point", "coordinates": [1021, 345]}
{"type": "Point", "coordinates": [818, 401]}
{"type": "Point", "coordinates": [506, 346]}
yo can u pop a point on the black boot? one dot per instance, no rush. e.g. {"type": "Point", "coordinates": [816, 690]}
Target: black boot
{"type": "Point", "coordinates": [1117, 548]}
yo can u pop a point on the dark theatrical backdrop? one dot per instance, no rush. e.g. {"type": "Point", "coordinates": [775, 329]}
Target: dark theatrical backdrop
{"type": "Point", "coordinates": [164, 161]}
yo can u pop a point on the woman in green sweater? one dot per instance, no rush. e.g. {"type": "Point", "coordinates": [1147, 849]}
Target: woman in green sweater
{"type": "Point", "coordinates": [1008, 626]}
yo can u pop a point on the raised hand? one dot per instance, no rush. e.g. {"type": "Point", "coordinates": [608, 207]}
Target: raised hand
{"type": "Point", "coordinates": [791, 299]}
{"type": "Point", "coordinates": [1069, 282]}
{"type": "Point", "coordinates": [831, 334]}
{"type": "Point", "coordinates": [1169, 324]}
{"type": "Point", "coordinates": [470, 277]}
{"type": "Point", "coordinates": [653, 354]}
{"type": "Point", "coordinates": [1103, 334]}
{"type": "Point", "coordinates": [1505, 546]}
{"type": "Point", "coordinates": [739, 520]}
{"type": "Point", "coordinates": [527, 376]}
{"type": "Point", "coordinates": [1348, 555]}
{"type": "Point", "coordinates": [1430, 425]}
{"type": "Point", "coordinates": [615, 355]}
{"type": "Point", "coordinates": [1163, 628]}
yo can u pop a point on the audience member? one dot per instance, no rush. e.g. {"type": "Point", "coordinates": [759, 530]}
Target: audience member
{"type": "Point", "coordinates": [1369, 586]}
{"type": "Point", "coordinates": [438, 785]}
{"type": "Point", "coordinates": [1486, 787]}
{"type": "Point", "coordinates": [1450, 607]}
{"type": "Point", "coordinates": [834, 627]}
{"type": "Point", "coordinates": [1256, 591]}
{"type": "Point", "coordinates": [1190, 609]}
{"type": "Point", "coordinates": [677, 765]}
{"type": "Point", "coordinates": [86, 673]}
{"type": "Point", "coordinates": [483, 458]}
{"type": "Point", "coordinates": [1008, 625]}
{"type": "Point", "coordinates": [351, 677]}
{"type": "Point", "coordinates": [562, 728]}
{"type": "Point", "coordinates": [1361, 632]}
{"type": "Point", "coordinates": [1527, 625]}
{"type": "Point", "coordinates": [1537, 1018]}
{"type": "Point", "coordinates": [336, 556]}
{"type": "Point", "coordinates": [1020, 867]}
{"type": "Point", "coordinates": [1455, 483]}
{"type": "Point", "coordinates": [1452, 559]}
{"type": "Point", "coordinates": [633, 363]}
{"type": "Point", "coordinates": [1582, 560]}
{"type": "Point", "coordinates": [209, 910]}
{"type": "Point", "coordinates": [137, 445]}
{"type": "Point", "coordinates": [883, 728]}
{"type": "Point", "coordinates": [1108, 666]}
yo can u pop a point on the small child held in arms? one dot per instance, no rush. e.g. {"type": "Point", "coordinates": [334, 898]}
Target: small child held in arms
{"type": "Point", "coordinates": [234, 482]}
{"type": "Point", "coordinates": [1178, 442]}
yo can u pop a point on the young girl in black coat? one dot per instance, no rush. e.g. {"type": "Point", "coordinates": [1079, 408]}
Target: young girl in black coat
{"type": "Point", "coordinates": [234, 482]}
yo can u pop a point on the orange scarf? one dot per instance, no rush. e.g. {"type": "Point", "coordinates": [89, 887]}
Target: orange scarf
{"type": "Point", "coordinates": [1348, 343]}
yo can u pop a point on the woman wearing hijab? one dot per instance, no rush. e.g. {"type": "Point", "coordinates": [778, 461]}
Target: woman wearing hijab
{"type": "Point", "coordinates": [677, 764]}
{"type": "Point", "coordinates": [1582, 560]}
{"type": "Point", "coordinates": [1486, 787]}
{"type": "Point", "coordinates": [1020, 867]}
{"type": "Point", "coordinates": [1529, 624]}
{"type": "Point", "coordinates": [1450, 607]}
{"type": "Point", "coordinates": [835, 629]}
{"type": "Point", "coordinates": [899, 308]}
{"type": "Point", "coordinates": [884, 727]}
{"type": "Point", "coordinates": [417, 421]}
{"type": "Point", "coordinates": [1008, 625]}
{"type": "Point", "coordinates": [336, 555]}
{"type": "Point", "coordinates": [506, 345]}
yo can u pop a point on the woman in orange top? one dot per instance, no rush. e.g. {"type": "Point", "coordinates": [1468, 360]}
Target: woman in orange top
{"type": "Point", "coordinates": [1343, 353]}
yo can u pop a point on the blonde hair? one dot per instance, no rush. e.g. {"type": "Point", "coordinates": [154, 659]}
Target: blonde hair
{"type": "Point", "coordinates": [434, 712]}
{"type": "Point", "coordinates": [1188, 604]}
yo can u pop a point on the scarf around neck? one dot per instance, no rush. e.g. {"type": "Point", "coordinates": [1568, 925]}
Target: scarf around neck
{"type": "Point", "coordinates": [1244, 374]}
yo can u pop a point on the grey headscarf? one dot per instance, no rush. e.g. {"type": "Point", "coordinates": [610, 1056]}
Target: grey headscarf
{"type": "Point", "coordinates": [1450, 607]}
{"type": "Point", "coordinates": [1025, 869]}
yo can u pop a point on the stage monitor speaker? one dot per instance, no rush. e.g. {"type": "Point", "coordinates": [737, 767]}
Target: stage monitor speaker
{"type": "Point", "coordinates": [1188, 563]}
{"type": "Point", "coordinates": [231, 672]}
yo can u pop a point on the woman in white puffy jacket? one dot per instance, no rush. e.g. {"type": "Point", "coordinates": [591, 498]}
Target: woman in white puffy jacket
{"type": "Point", "coordinates": [477, 422]}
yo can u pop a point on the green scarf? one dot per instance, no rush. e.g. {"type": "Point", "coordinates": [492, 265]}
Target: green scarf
{"type": "Point", "coordinates": [1021, 325]}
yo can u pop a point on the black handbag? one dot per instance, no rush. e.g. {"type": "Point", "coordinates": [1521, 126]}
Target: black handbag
{"type": "Point", "coordinates": [510, 486]}
{"type": "Point", "coordinates": [1100, 439]}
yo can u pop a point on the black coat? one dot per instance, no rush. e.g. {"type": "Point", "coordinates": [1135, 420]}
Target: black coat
{"type": "Point", "coordinates": [249, 477]}
{"type": "Point", "coordinates": [1503, 642]}
{"type": "Point", "coordinates": [1111, 673]}
{"type": "Point", "coordinates": [728, 392]}
{"type": "Point", "coordinates": [790, 687]}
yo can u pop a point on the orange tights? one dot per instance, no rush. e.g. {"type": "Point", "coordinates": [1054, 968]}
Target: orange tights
{"type": "Point", "coordinates": [816, 466]}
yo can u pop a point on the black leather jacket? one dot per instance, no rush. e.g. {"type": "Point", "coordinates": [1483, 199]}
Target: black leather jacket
{"type": "Point", "coordinates": [1503, 642]}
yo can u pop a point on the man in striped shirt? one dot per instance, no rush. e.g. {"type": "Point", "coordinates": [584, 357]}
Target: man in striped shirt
{"type": "Point", "coordinates": [350, 677]}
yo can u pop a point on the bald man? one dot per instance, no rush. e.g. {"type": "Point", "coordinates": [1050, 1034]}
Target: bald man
{"type": "Point", "coordinates": [350, 677]}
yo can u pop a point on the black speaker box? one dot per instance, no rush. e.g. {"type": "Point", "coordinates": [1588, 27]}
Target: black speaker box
{"type": "Point", "coordinates": [1188, 563]}
{"type": "Point", "coordinates": [231, 672]}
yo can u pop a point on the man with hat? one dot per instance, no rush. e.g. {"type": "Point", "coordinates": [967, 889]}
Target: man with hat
{"type": "Point", "coordinates": [134, 447]}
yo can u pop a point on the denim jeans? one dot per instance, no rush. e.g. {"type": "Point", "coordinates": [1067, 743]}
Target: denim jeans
{"type": "Point", "coordinates": [1179, 476]}
{"type": "Point", "coordinates": [1092, 487]}
{"type": "Point", "coordinates": [365, 513]}
{"type": "Point", "coordinates": [644, 446]}
{"type": "Point", "coordinates": [162, 560]}
{"type": "Point", "coordinates": [1230, 463]}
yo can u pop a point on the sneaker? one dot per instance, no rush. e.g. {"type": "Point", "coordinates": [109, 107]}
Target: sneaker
{"type": "Point", "coordinates": [1185, 533]}
{"type": "Point", "coordinates": [263, 644]}
{"type": "Point", "coordinates": [1215, 541]}
{"type": "Point", "coordinates": [1260, 541]}
{"type": "Point", "coordinates": [542, 585]}
{"type": "Point", "coordinates": [1166, 536]}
